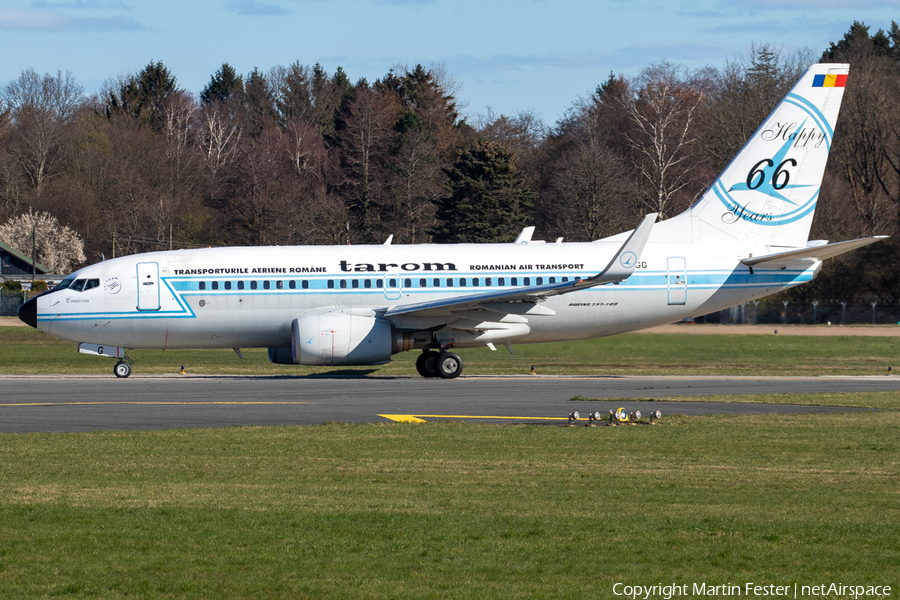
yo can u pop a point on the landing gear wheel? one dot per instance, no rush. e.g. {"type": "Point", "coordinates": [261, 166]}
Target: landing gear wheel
{"type": "Point", "coordinates": [426, 364]}
{"type": "Point", "coordinates": [122, 369]}
{"type": "Point", "coordinates": [449, 365]}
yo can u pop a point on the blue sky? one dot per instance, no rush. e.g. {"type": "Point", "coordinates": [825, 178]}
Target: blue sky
{"type": "Point", "coordinates": [510, 55]}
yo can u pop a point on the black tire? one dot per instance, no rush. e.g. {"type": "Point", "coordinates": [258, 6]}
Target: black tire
{"type": "Point", "coordinates": [449, 365]}
{"type": "Point", "coordinates": [426, 364]}
{"type": "Point", "coordinates": [122, 370]}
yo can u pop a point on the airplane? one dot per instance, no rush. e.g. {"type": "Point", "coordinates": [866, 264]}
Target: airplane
{"type": "Point", "coordinates": [745, 238]}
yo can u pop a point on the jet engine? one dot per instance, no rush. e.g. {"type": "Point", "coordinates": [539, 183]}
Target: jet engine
{"type": "Point", "coordinates": [341, 338]}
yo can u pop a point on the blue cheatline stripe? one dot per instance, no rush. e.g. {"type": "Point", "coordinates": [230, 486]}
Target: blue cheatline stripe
{"type": "Point", "coordinates": [643, 282]}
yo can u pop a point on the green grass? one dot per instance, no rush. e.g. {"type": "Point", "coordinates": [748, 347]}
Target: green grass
{"type": "Point", "coordinates": [877, 400]}
{"type": "Point", "coordinates": [462, 511]}
{"type": "Point", "coordinates": [26, 351]}
{"type": "Point", "coordinates": [450, 510]}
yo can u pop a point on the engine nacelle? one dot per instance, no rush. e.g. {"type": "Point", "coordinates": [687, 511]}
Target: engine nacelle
{"type": "Point", "coordinates": [342, 338]}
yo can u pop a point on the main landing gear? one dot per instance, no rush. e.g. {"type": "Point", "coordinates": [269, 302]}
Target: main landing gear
{"type": "Point", "coordinates": [432, 363]}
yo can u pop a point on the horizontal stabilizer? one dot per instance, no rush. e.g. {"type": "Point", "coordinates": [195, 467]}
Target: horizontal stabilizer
{"type": "Point", "coordinates": [782, 260]}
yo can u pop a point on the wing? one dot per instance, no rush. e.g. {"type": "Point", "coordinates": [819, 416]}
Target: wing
{"type": "Point", "coordinates": [782, 260]}
{"type": "Point", "coordinates": [619, 268]}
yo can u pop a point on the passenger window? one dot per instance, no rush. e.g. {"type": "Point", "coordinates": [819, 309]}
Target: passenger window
{"type": "Point", "coordinates": [304, 284]}
{"type": "Point", "coordinates": [462, 282]}
{"type": "Point", "coordinates": [240, 285]}
{"type": "Point", "coordinates": [528, 281]}
{"type": "Point", "coordinates": [367, 283]}
{"type": "Point", "coordinates": [392, 283]}
{"type": "Point", "coordinates": [436, 282]}
{"type": "Point", "coordinates": [475, 282]}
{"type": "Point", "coordinates": [292, 284]}
{"type": "Point", "coordinates": [540, 281]}
{"type": "Point", "coordinates": [449, 282]}
{"type": "Point", "coordinates": [378, 283]}
{"type": "Point", "coordinates": [487, 281]}
{"type": "Point", "coordinates": [343, 284]}
{"type": "Point", "coordinates": [565, 279]}
{"type": "Point", "coordinates": [266, 284]}
{"type": "Point", "coordinates": [553, 280]}
{"type": "Point", "coordinates": [215, 285]}
{"type": "Point", "coordinates": [354, 283]}
{"type": "Point", "coordinates": [407, 283]}
{"type": "Point", "coordinates": [501, 281]}
{"type": "Point", "coordinates": [423, 283]}
{"type": "Point", "coordinates": [201, 286]}
{"type": "Point", "coordinates": [513, 281]}
{"type": "Point", "coordinates": [279, 284]}
{"type": "Point", "coordinates": [253, 285]}
{"type": "Point", "coordinates": [227, 285]}
{"type": "Point", "coordinates": [331, 284]}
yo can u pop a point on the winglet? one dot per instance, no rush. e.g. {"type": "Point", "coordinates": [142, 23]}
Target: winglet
{"type": "Point", "coordinates": [626, 259]}
{"type": "Point", "coordinates": [525, 236]}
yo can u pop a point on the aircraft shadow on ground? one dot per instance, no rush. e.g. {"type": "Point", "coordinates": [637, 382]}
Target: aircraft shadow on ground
{"type": "Point", "coordinates": [336, 374]}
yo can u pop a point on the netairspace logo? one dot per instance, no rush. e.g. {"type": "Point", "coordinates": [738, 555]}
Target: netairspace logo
{"type": "Point", "coordinates": [751, 590]}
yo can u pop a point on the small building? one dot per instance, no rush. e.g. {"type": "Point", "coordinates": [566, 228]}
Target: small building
{"type": "Point", "coordinates": [15, 265]}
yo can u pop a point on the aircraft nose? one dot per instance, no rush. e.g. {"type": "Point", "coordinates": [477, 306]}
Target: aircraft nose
{"type": "Point", "coordinates": [28, 313]}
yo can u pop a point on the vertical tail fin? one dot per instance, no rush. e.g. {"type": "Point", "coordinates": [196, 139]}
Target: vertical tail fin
{"type": "Point", "coordinates": [767, 194]}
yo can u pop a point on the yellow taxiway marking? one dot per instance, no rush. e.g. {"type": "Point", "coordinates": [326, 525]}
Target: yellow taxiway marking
{"type": "Point", "coordinates": [142, 403]}
{"type": "Point", "coordinates": [421, 418]}
{"type": "Point", "coordinates": [403, 418]}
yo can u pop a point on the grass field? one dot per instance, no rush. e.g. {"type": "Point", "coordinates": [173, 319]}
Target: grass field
{"type": "Point", "coordinates": [26, 351]}
{"type": "Point", "coordinates": [450, 510]}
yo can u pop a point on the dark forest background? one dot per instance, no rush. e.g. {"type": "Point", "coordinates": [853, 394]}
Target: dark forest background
{"type": "Point", "coordinates": [296, 155]}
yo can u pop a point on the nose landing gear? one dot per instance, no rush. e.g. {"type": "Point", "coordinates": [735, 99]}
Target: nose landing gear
{"type": "Point", "coordinates": [122, 369]}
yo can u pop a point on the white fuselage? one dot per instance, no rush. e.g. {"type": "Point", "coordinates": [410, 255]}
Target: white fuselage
{"type": "Point", "coordinates": [248, 297]}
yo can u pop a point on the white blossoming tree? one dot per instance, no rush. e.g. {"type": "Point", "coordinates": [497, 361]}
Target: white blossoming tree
{"type": "Point", "coordinates": [56, 246]}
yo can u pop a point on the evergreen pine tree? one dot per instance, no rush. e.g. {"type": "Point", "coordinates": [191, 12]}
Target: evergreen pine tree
{"type": "Point", "coordinates": [486, 201]}
{"type": "Point", "coordinates": [224, 83]}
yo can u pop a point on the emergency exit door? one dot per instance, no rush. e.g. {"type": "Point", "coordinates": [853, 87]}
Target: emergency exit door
{"type": "Point", "coordinates": [148, 286]}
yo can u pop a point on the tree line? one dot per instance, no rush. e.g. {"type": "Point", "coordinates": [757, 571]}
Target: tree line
{"type": "Point", "coordinates": [297, 155]}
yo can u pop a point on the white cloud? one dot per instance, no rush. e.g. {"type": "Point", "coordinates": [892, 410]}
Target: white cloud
{"type": "Point", "coordinates": [81, 4]}
{"type": "Point", "coordinates": [257, 9]}
{"type": "Point", "coordinates": [17, 19]}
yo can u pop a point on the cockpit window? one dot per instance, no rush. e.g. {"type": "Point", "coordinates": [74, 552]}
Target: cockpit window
{"type": "Point", "coordinates": [65, 283]}
{"type": "Point", "coordinates": [80, 285]}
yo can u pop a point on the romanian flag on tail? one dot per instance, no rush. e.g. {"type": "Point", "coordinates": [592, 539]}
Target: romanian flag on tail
{"type": "Point", "coordinates": [829, 81]}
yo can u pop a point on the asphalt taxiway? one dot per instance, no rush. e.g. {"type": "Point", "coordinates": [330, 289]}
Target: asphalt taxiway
{"type": "Point", "coordinates": [65, 403]}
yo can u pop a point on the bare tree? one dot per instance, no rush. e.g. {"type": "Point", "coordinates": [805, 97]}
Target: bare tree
{"type": "Point", "coordinates": [365, 141]}
{"type": "Point", "coordinates": [664, 112]}
{"type": "Point", "coordinates": [219, 138]}
{"type": "Point", "coordinates": [40, 108]}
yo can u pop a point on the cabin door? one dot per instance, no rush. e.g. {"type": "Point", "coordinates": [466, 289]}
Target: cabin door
{"type": "Point", "coordinates": [677, 277]}
{"type": "Point", "coordinates": [148, 286]}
